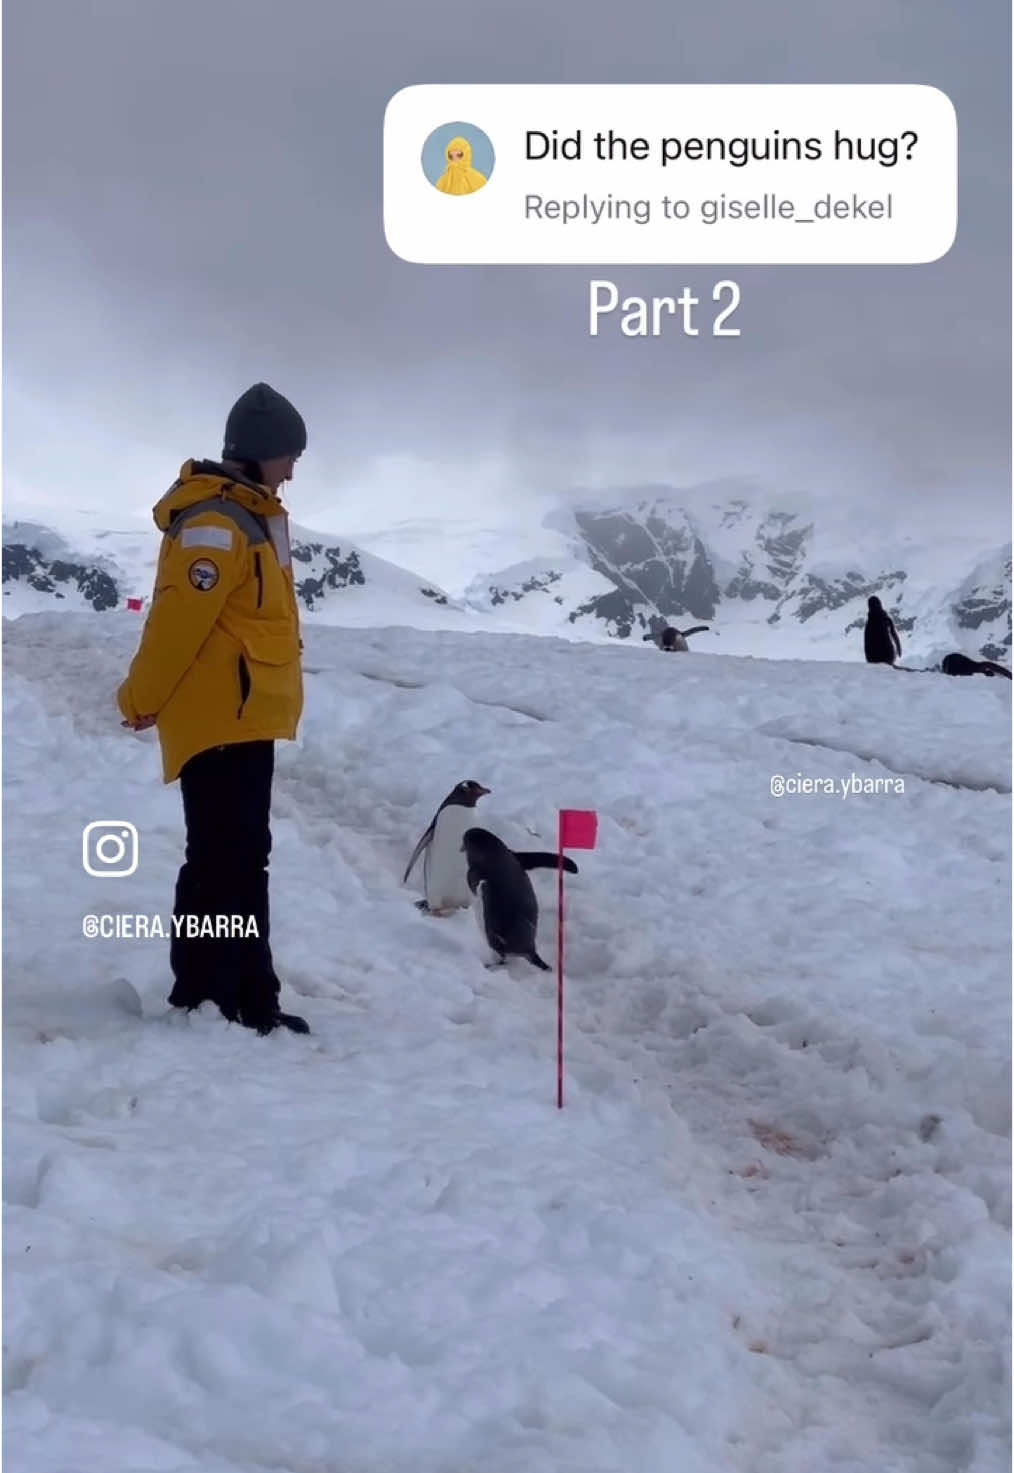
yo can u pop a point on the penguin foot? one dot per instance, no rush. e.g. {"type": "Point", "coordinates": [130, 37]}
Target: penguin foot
{"type": "Point", "coordinates": [275, 1019]}
{"type": "Point", "coordinates": [293, 1022]}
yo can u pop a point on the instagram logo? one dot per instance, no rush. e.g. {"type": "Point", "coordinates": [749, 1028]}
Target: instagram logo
{"type": "Point", "coordinates": [110, 848]}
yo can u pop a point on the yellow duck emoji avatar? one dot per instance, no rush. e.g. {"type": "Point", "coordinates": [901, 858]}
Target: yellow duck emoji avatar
{"type": "Point", "coordinates": [460, 177]}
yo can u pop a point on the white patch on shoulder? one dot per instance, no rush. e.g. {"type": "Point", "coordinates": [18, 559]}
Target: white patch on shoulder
{"type": "Point", "coordinates": [206, 537]}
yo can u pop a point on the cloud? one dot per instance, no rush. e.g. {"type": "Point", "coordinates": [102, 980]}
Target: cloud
{"type": "Point", "coordinates": [193, 203]}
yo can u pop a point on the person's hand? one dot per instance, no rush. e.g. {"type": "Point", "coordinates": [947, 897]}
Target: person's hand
{"type": "Point", "coordinates": [141, 724]}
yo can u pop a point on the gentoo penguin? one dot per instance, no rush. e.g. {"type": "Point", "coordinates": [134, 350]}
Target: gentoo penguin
{"type": "Point", "coordinates": [881, 644]}
{"type": "Point", "coordinates": [444, 870]}
{"type": "Point", "coordinates": [958, 664]}
{"type": "Point", "coordinates": [444, 878]}
{"type": "Point", "coordinates": [506, 907]}
{"type": "Point", "coordinates": [674, 641]}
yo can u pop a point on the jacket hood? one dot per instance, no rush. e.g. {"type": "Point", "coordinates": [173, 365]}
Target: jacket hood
{"type": "Point", "coordinates": [460, 177]}
{"type": "Point", "coordinates": [461, 145]}
{"type": "Point", "coordinates": [203, 480]}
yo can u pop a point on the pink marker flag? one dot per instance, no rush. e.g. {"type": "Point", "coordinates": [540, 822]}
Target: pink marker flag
{"type": "Point", "coordinates": [137, 604]}
{"type": "Point", "coordinates": [579, 829]}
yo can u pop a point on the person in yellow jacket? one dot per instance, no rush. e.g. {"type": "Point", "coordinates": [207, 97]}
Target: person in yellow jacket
{"type": "Point", "coordinates": [218, 672]}
{"type": "Point", "coordinates": [460, 177]}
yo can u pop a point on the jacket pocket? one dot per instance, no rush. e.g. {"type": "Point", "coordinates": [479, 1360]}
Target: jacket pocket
{"type": "Point", "coordinates": [270, 641]}
{"type": "Point", "coordinates": [244, 685]}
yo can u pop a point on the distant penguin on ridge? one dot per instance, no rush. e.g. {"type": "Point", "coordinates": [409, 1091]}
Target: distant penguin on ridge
{"type": "Point", "coordinates": [881, 644]}
{"type": "Point", "coordinates": [674, 641]}
{"type": "Point", "coordinates": [445, 882]}
{"type": "Point", "coordinates": [506, 906]}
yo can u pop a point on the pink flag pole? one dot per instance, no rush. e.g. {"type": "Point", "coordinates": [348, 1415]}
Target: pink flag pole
{"type": "Point", "coordinates": [559, 974]}
{"type": "Point", "coordinates": [578, 830]}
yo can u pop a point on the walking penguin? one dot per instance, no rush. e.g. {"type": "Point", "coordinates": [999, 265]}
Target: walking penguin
{"type": "Point", "coordinates": [507, 908]}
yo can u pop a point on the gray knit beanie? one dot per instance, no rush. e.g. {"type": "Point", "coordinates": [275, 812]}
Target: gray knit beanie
{"type": "Point", "coordinates": [263, 425]}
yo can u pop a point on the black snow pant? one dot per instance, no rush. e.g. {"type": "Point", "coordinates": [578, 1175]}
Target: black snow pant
{"type": "Point", "coordinates": [227, 806]}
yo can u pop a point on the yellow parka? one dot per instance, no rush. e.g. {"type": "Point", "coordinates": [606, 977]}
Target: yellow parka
{"type": "Point", "coordinates": [460, 177]}
{"type": "Point", "coordinates": [219, 659]}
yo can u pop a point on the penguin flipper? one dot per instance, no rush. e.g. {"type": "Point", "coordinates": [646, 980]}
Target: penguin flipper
{"type": "Point", "coordinates": [416, 852]}
{"type": "Point", "coordinates": [536, 961]}
{"type": "Point", "coordinates": [697, 629]}
{"type": "Point", "coordinates": [541, 859]}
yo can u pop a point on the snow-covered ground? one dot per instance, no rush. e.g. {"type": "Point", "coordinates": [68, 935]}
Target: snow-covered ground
{"type": "Point", "coordinates": [770, 1231]}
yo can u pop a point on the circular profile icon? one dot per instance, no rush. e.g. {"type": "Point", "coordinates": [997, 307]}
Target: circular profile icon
{"type": "Point", "coordinates": [458, 158]}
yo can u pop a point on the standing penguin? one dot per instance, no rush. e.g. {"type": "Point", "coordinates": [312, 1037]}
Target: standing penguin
{"type": "Point", "coordinates": [881, 644]}
{"type": "Point", "coordinates": [507, 909]}
{"type": "Point", "coordinates": [444, 879]}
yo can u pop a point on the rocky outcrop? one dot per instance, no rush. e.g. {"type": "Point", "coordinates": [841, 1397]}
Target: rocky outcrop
{"type": "Point", "coordinates": [321, 568]}
{"type": "Point", "coordinates": [23, 563]}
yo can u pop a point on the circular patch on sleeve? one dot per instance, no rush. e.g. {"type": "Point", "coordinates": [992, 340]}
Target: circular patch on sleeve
{"type": "Point", "coordinates": [203, 574]}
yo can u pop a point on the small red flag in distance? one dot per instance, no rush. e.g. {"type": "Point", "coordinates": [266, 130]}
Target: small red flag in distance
{"type": "Point", "coordinates": [579, 828]}
{"type": "Point", "coordinates": [135, 603]}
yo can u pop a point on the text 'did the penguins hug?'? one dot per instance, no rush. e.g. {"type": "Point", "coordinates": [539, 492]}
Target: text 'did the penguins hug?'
{"type": "Point", "coordinates": [656, 175]}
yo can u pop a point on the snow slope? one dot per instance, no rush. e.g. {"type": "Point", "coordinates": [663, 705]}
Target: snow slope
{"type": "Point", "coordinates": [455, 553]}
{"type": "Point", "coordinates": [539, 596]}
{"type": "Point", "coordinates": [769, 1232]}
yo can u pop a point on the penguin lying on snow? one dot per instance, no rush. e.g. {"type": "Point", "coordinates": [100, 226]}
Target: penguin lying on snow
{"type": "Point", "coordinates": [674, 641]}
{"type": "Point", "coordinates": [506, 909]}
{"type": "Point", "coordinates": [958, 664]}
{"type": "Point", "coordinates": [445, 879]}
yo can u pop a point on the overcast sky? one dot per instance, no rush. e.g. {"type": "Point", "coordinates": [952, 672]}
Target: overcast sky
{"type": "Point", "coordinates": [193, 202]}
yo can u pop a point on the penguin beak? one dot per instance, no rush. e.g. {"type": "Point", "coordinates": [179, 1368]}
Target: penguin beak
{"type": "Point", "coordinates": [483, 790]}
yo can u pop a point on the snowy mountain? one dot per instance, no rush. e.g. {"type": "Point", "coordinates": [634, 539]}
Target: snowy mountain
{"type": "Point", "coordinates": [768, 1233]}
{"type": "Point", "coordinates": [773, 580]}
{"type": "Point", "coordinates": [97, 568]}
